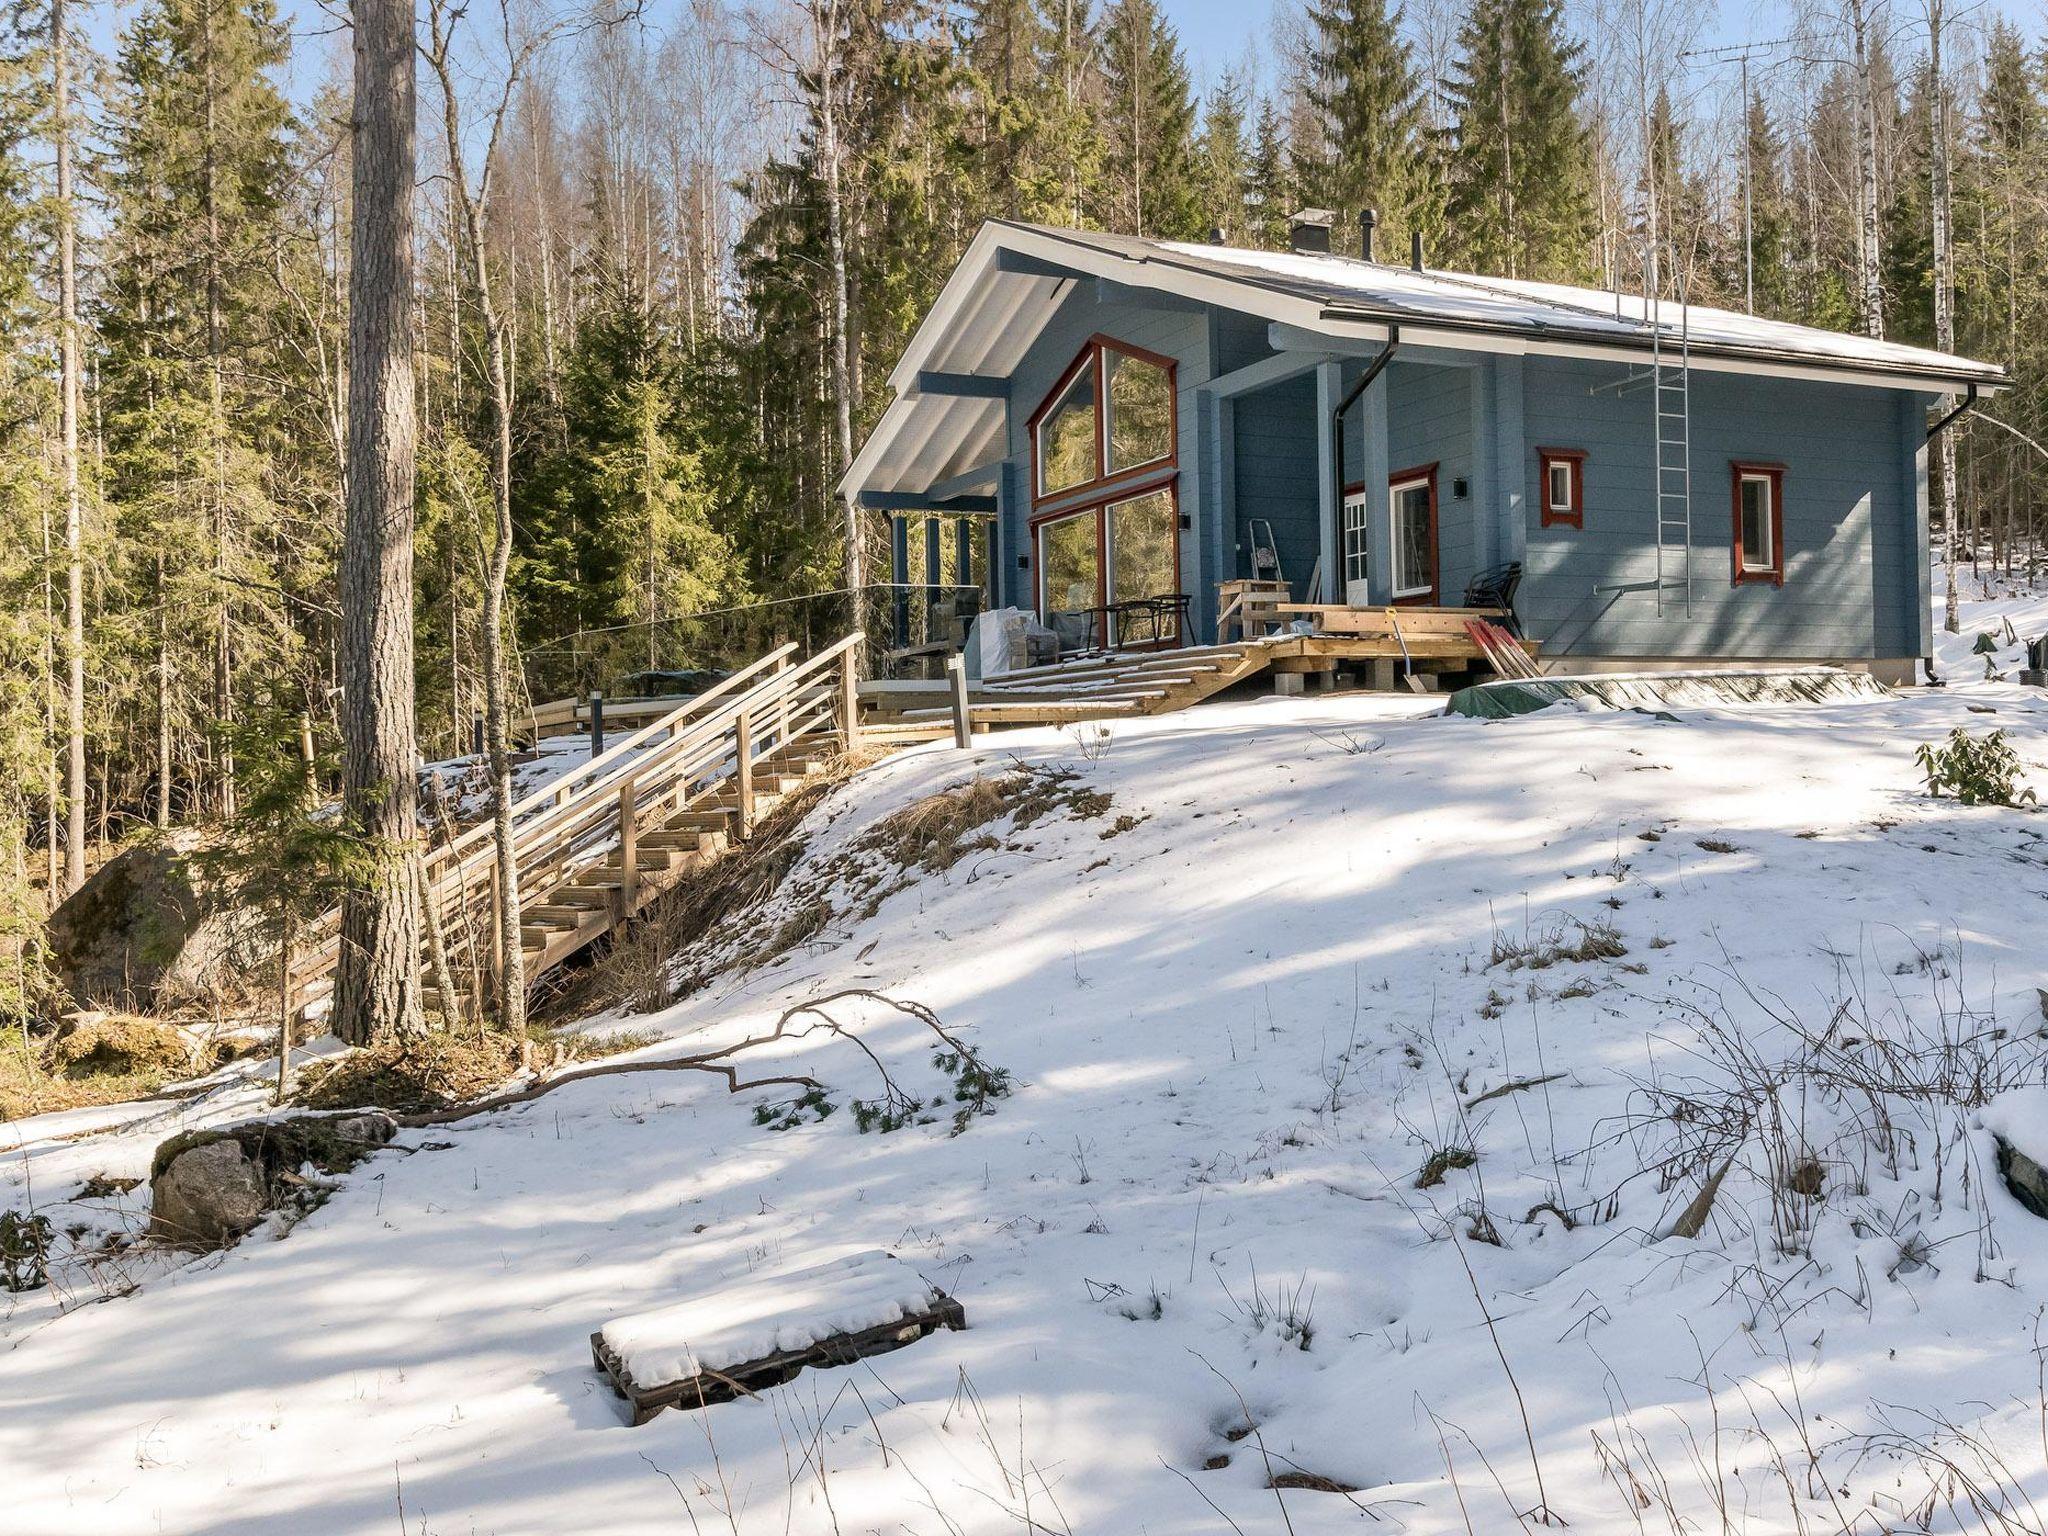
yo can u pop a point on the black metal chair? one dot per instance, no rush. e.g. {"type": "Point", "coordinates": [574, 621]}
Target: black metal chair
{"type": "Point", "coordinates": [1495, 587]}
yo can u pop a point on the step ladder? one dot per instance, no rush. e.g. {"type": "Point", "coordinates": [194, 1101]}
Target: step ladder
{"type": "Point", "coordinates": [1671, 405]}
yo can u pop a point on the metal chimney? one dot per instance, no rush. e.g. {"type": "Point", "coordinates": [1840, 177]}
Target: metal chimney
{"type": "Point", "coordinates": [1415, 250]}
{"type": "Point", "coordinates": [1368, 221]}
{"type": "Point", "coordinates": [1309, 230]}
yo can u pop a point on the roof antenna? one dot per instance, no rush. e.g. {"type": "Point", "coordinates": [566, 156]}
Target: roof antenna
{"type": "Point", "coordinates": [1415, 249]}
{"type": "Point", "coordinates": [1368, 221]}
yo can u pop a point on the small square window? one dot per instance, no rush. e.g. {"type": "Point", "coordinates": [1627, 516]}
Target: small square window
{"type": "Point", "coordinates": [1564, 487]}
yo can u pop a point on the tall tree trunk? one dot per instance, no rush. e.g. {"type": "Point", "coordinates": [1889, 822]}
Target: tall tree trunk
{"type": "Point", "coordinates": [217, 429]}
{"type": "Point", "coordinates": [1944, 291]}
{"type": "Point", "coordinates": [1869, 248]}
{"type": "Point", "coordinates": [471, 209]}
{"type": "Point", "coordinates": [825, 21]}
{"type": "Point", "coordinates": [377, 985]}
{"type": "Point", "coordinates": [74, 557]}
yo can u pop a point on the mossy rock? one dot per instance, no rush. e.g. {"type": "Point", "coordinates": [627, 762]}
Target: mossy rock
{"type": "Point", "coordinates": [146, 933]}
{"type": "Point", "coordinates": [331, 1143]}
{"type": "Point", "coordinates": [91, 1044]}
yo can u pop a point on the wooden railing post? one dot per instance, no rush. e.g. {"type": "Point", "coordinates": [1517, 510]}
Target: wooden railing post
{"type": "Point", "coordinates": [743, 741]}
{"type": "Point", "coordinates": [782, 706]}
{"type": "Point", "coordinates": [963, 717]}
{"type": "Point", "coordinates": [849, 701]}
{"type": "Point", "coordinates": [629, 851]}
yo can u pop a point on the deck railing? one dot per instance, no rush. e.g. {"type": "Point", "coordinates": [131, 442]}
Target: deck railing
{"type": "Point", "coordinates": [707, 749]}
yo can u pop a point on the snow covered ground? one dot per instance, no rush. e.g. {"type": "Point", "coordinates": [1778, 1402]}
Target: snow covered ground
{"type": "Point", "coordinates": [1259, 1011]}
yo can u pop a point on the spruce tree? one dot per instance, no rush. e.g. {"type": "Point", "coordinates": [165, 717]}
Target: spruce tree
{"type": "Point", "coordinates": [1271, 189]}
{"type": "Point", "coordinates": [1147, 118]}
{"type": "Point", "coordinates": [1521, 197]}
{"type": "Point", "coordinates": [1225, 159]}
{"type": "Point", "coordinates": [1365, 91]}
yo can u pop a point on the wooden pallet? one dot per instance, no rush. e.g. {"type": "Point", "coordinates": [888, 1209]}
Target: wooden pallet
{"type": "Point", "coordinates": [708, 1387]}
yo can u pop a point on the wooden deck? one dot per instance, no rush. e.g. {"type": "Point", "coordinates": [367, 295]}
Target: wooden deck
{"type": "Point", "coordinates": [1132, 683]}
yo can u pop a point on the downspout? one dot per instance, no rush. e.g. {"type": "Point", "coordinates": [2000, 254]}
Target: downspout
{"type": "Point", "coordinates": [1967, 404]}
{"type": "Point", "coordinates": [1373, 371]}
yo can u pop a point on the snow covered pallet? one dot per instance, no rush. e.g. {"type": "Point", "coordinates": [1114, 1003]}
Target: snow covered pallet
{"type": "Point", "coordinates": [762, 1331]}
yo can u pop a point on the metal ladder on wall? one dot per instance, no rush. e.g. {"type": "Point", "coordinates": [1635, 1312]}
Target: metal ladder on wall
{"type": "Point", "coordinates": [1671, 405]}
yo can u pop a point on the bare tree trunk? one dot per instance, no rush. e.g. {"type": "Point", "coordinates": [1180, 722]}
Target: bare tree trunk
{"type": "Point", "coordinates": [217, 427]}
{"type": "Point", "coordinates": [1869, 278]}
{"type": "Point", "coordinates": [470, 208]}
{"type": "Point", "coordinates": [1944, 291]}
{"type": "Point", "coordinates": [74, 558]}
{"type": "Point", "coordinates": [377, 985]}
{"type": "Point", "coordinates": [825, 22]}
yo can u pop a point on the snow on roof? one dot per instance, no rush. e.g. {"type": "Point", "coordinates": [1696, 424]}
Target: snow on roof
{"type": "Point", "coordinates": [1518, 305]}
{"type": "Point", "coordinates": [1347, 288]}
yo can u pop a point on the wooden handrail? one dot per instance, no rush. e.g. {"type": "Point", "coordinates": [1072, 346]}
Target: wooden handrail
{"type": "Point", "coordinates": [697, 748]}
{"type": "Point", "coordinates": [611, 757]}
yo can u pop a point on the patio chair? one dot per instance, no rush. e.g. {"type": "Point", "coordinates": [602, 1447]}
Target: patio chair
{"type": "Point", "coordinates": [1495, 587]}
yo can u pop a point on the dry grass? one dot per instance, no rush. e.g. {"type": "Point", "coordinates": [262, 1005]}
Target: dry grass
{"type": "Point", "coordinates": [105, 1059]}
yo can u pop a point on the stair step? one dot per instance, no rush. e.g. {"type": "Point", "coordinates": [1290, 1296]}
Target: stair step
{"type": "Point", "coordinates": [685, 839]}
{"type": "Point", "coordinates": [560, 915]}
{"type": "Point", "coordinates": [700, 818]}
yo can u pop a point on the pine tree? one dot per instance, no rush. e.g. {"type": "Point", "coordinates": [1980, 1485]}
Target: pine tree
{"type": "Point", "coordinates": [1147, 118]}
{"type": "Point", "coordinates": [1365, 90]}
{"type": "Point", "coordinates": [1520, 196]}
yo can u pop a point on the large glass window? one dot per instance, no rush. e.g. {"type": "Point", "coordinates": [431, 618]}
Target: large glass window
{"type": "Point", "coordinates": [1141, 563]}
{"type": "Point", "coordinates": [1140, 411]}
{"type": "Point", "coordinates": [1110, 415]}
{"type": "Point", "coordinates": [1412, 502]}
{"type": "Point", "coordinates": [1066, 437]}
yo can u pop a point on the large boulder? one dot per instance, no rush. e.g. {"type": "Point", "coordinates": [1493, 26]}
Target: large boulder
{"type": "Point", "coordinates": [144, 934]}
{"type": "Point", "coordinates": [208, 1188]}
{"type": "Point", "coordinates": [207, 1196]}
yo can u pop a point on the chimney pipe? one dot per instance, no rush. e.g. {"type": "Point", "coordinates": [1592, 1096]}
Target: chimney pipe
{"type": "Point", "coordinates": [1368, 221]}
{"type": "Point", "coordinates": [1415, 250]}
{"type": "Point", "coordinates": [1309, 230]}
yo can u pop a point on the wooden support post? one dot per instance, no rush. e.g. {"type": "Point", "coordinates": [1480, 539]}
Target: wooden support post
{"type": "Point", "coordinates": [743, 739]}
{"type": "Point", "coordinates": [782, 707]}
{"type": "Point", "coordinates": [963, 718]}
{"type": "Point", "coordinates": [849, 702]}
{"type": "Point", "coordinates": [629, 851]}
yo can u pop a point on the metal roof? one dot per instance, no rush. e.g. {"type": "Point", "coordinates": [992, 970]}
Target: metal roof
{"type": "Point", "coordinates": [1014, 276]}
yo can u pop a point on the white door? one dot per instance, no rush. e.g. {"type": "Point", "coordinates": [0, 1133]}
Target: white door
{"type": "Point", "coordinates": [1357, 522]}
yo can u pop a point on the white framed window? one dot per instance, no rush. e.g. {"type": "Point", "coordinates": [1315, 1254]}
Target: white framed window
{"type": "Point", "coordinates": [1411, 544]}
{"type": "Point", "coordinates": [1759, 533]}
{"type": "Point", "coordinates": [1564, 487]}
{"type": "Point", "coordinates": [1357, 538]}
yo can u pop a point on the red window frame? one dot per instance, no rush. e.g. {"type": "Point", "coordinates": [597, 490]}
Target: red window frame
{"type": "Point", "coordinates": [1738, 471]}
{"type": "Point", "coordinates": [1429, 599]}
{"type": "Point", "coordinates": [1575, 459]}
{"type": "Point", "coordinates": [1098, 509]}
{"type": "Point", "coordinates": [1091, 357]}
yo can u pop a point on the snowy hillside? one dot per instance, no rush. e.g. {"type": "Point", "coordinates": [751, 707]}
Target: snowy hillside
{"type": "Point", "coordinates": [1367, 1071]}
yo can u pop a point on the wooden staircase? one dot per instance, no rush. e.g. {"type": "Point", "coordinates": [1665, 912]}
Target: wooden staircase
{"type": "Point", "coordinates": [662, 804]}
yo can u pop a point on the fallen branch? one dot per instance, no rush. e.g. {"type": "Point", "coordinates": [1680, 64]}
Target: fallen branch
{"type": "Point", "coordinates": [796, 1023]}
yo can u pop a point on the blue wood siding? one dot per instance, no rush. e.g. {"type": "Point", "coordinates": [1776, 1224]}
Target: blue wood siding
{"type": "Point", "coordinates": [1849, 519]}
{"type": "Point", "coordinates": [1854, 513]}
{"type": "Point", "coordinates": [1275, 442]}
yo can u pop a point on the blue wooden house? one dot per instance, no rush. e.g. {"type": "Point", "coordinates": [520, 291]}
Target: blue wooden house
{"type": "Point", "coordinates": [1092, 421]}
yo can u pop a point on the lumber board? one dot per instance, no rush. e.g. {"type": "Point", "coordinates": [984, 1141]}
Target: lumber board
{"type": "Point", "coordinates": [708, 1387]}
